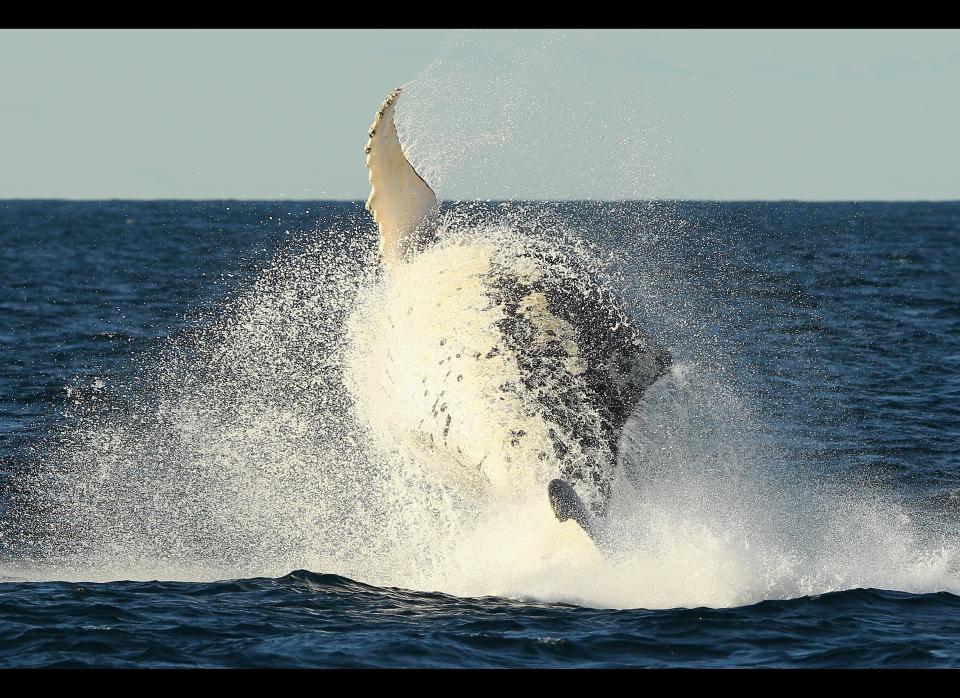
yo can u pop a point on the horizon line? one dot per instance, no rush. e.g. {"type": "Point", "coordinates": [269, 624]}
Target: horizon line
{"type": "Point", "coordinates": [484, 201]}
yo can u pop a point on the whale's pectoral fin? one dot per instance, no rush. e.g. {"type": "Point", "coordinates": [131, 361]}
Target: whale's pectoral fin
{"type": "Point", "coordinates": [567, 504]}
{"type": "Point", "coordinates": [402, 203]}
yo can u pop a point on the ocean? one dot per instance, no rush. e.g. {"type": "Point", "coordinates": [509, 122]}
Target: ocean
{"type": "Point", "coordinates": [193, 472]}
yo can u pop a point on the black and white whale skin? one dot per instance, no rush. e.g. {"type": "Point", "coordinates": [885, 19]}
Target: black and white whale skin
{"type": "Point", "coordinates": [507, 364]}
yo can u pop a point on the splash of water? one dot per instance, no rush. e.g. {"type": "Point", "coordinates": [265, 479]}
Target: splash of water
{"type": "Point", "coordinates": [256, 446]}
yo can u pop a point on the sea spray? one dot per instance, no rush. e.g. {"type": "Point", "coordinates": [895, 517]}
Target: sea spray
{"type": "Point", "coordinates": [240, 451]}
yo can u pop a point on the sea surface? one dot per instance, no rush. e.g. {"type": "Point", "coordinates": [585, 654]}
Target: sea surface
{"type": "Point", "coordinates": [809, 517]}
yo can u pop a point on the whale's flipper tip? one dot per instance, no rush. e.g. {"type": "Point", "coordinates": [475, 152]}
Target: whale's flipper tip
{"type": "Point", "coordinates": [402, 203]}
{"type": "Point", "coordinates": [567, 505]}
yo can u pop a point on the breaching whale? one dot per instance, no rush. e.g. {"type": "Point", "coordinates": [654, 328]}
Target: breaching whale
{"type": "Point", "coordinates": [512, 366]}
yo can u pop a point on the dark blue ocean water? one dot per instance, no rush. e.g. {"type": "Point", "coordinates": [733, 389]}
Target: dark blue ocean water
{"type": "Point", "coordinates": [838, 322]}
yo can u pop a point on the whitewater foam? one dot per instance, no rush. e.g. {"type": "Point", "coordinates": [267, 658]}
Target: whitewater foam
{"type": "Point", "coordinates": [246, 449]}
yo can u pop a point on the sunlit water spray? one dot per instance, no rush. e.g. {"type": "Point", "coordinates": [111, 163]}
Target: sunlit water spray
{"type": "Point", "coordinates": [265, 443]}
{"type": "Point", "coordinates": [255, 447]}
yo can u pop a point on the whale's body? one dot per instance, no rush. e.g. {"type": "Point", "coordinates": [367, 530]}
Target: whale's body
{"type": "Point", "coordinates": [507, 365]}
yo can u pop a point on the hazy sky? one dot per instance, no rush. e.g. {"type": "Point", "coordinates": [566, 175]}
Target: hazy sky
{"type": "Point", "coordinates": [566, 114]}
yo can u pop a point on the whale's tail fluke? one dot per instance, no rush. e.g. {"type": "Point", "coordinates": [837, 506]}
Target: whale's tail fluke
{"type": "Point", "coordinates": [402, 203]}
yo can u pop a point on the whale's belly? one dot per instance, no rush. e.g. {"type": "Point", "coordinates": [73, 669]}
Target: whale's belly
{"type": "Point", "coordinates": [507, 370]}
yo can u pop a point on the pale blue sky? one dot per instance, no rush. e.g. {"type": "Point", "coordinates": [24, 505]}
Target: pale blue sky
{"type": "Point", "coordinates": [268, 114]}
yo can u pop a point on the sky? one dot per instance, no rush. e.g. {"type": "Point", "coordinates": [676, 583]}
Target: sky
{"type": "Point", "coordinates": [491, 114]}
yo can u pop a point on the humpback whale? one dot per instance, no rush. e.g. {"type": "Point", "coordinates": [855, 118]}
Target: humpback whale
{"type": "Point", "coordinates": [511, 365]}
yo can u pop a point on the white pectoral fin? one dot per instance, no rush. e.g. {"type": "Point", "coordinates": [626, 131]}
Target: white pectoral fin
{"type": "Point", "coordinates": [402, 204]}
